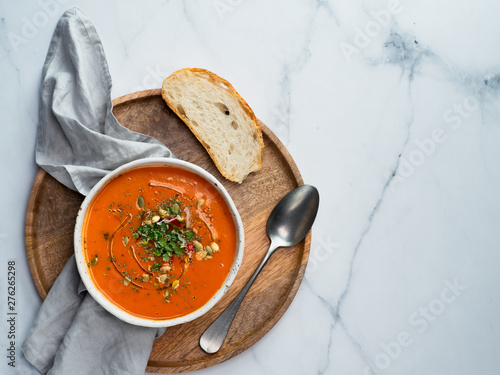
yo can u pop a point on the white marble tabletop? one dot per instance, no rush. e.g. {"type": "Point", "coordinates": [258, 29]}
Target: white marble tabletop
{"type": "Point", "coordinates": [390, 108]}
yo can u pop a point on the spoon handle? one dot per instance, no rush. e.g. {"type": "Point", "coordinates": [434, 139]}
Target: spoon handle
{"type": "Point", "coordinates": [213, 337]}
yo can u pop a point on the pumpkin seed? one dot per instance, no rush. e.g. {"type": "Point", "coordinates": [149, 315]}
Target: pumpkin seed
{"type": "Point", "coordinates": [163, 278]}
{"type": "Point", "coordinates": [93, 262]}
{"type": "Point", "coordinates": [145, 277]}
{"type": "Point", "coordinates": [198, 246]}
{"type": "Point", "coordinates": [209, 250]}
{"type": "Point", "coordinates": [175, 208]}
{"type": "Point", "coordinates": [125, 240]}
{"type": "Point", "coordinates": [175, 284]}
{"type": "Point", "coordinates": [126, 281]}
{"type": "Point", "coordinates": [155, 219]}
{"type": "Point", "coordinates": [140, 202]}
{"type": "Point", "coordinates": [165, 268]}
{"type": "Point", "coordinates": [214, 246]}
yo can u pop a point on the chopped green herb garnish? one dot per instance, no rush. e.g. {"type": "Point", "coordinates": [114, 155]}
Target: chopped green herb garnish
{"type": "Point", "coordinates": [156, 267]}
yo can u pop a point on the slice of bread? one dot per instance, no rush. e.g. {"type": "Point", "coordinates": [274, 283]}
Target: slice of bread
{"type": "Point", "coordinates": [219, 117]}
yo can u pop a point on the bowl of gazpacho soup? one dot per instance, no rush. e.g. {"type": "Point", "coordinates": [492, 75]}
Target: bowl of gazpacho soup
{"type": "Point", "coordinates": [158, 242]}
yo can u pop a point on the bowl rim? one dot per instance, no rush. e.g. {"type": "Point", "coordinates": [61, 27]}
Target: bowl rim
{"type": "Point", "coordinates": [83, 270]}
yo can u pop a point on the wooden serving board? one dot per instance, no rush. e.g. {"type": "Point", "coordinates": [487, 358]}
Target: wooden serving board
{"type": "Point", "coordinates": [52, 210]}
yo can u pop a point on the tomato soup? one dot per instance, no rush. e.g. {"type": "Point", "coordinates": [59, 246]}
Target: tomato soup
{"type": "Point", "coordinates": [159, 241]}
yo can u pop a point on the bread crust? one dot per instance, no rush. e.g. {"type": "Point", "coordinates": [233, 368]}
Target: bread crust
{"type": "Point", "coordinates": [244, 105]}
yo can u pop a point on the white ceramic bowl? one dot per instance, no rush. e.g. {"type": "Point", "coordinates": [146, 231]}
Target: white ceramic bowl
{"type": "Point", "coordinates": [84, 270]}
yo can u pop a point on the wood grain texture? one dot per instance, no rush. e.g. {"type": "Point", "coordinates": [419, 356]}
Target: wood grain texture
{"type": "Point", "coordinates": [52, 210]}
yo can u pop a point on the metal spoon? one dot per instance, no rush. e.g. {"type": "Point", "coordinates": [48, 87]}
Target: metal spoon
{"type": "Point", "coordinates": [287, 225]}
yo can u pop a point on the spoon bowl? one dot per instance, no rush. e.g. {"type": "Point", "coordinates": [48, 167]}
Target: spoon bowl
{"type": "Point", "coordinates": [287, 225]}
{"type": "Point", "coordinates": [293, 216]}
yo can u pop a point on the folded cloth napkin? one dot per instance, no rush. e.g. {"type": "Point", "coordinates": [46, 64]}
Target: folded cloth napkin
{"type": "Point", "coordinates": [78, 141]}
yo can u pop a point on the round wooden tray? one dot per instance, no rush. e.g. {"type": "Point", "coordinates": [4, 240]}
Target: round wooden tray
{"type": "Point", "coordinates": [52, 210]}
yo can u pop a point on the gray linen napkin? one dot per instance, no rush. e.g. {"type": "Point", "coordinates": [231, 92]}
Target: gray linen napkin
{"type": "Point", "coordinates": [78, 141]}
